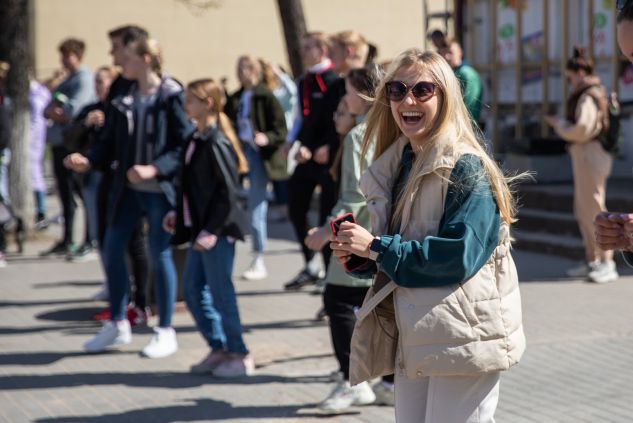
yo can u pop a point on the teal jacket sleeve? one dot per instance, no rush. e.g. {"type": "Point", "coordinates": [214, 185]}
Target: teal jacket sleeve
{"type": "Point", "coordinates": [471, 89]}
{"type": "Point", "coordinates": [467, 236]}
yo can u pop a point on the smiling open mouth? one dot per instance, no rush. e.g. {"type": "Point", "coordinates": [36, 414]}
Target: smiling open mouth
{"type": "Point", "coordinates": [411, 117]}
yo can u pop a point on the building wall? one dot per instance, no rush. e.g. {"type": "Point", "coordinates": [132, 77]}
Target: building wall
{"type": "Point", "coordinates": [198, 44]}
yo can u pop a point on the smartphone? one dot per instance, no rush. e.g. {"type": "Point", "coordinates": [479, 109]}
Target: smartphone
{"type": "Point", "coordinates": [335, 224]}
{"type": "Point", "coordinates": [354, 261]}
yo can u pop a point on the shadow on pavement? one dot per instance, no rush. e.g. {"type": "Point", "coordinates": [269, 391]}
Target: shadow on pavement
{"type": "Point", "coordinates": [201, 409]}
{"type": "Point", "coordinates": [286, 324]}
{"type": "Point", "coordinates": [38, 303]}
{"type": "Point", "coordinates": [297, 358]}
{"type": "Point", "coordinates": [289, 324]}
{"type": "Point", "coordinates": [78, 314]}
{"type": "Point", "coordinates": [64, 284]}
{"type": "Point", "coordinates": [168, 380]}
{"type": "Point", "coordinates": [45, 358]}
{"type": "Point", "coordinates": [35, 329]}
{"type": "Point", "coordinates": [270, 292]}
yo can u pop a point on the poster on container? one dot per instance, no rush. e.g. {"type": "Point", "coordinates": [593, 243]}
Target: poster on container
{"type": "Point", "coordinates": [602, 28]}
{"type": "Point", "coordinates": [532, 48]}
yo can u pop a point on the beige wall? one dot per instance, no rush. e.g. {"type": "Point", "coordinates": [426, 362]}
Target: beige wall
{"type": "Point", "coordinates": [208, 43]}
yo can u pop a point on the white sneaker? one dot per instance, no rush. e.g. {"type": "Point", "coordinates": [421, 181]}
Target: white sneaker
{"type": "Point", "coordinates": [580, 271]}
{"type": "Point", "coordinates": [256, 271]}
{"type": "Point", "coordinates": [344, 396]}
{"type": "Point", "coordinates": [163, 343]}
{"type": "Point", "coordinates": [111, 334]}
{"type": "Point", "coordinates": [102, 294]}
{"type": "Point", "coordinates": [384, 394]}
{"type": "Point", "coordinates": [604, 272]}
{"type": "Point", "coordinates": [3, 260]}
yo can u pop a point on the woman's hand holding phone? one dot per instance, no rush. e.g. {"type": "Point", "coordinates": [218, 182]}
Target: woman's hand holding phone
{"type": "Point", "coordinates": [350, 242]}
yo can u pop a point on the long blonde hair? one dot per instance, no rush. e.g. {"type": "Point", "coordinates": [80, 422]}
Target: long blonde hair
{"type": "Point", "coordinates": [204, 89]}
{"type": "Point", "coordinates": [452, 118]}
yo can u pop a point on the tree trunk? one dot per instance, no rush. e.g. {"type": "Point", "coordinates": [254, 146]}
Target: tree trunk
{"type": "Point", "coordinates": [294, 23]}
{"type": "Point", "coordinates": [15, 49]}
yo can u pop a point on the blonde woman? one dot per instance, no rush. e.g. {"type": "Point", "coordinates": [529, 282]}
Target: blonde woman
{"type": "Point", "coordinates": [440, 211]}
{"type": "Point", "coordinates": [261, 127]}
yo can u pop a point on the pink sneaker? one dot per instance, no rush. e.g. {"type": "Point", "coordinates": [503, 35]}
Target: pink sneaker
{"type": "Point", "coordinates": [209, 363]}
{"type": "Point", "coordinates": [235, 365]}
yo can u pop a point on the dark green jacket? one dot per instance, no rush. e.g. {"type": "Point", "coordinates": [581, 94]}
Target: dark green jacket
{"type": "Point", "coordinates": [267, 116]}
{"type": "Point", "coordinates": [472, 89]}
{"type": "Point", "coordinates": [467, 236]}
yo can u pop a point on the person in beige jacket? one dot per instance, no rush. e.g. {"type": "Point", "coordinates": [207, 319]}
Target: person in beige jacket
{"type": "Point", "coordinates": [441, 210]}
{"type": "Point", "coordinates": [587, 117]}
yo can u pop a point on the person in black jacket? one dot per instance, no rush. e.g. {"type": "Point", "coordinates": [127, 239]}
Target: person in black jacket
{"type": "Point", "coordinates": [319, 144]}
{"type": "Point", "coordinates": [81, 137]}
{"type": "Point", "coordinates": [211, 214]}
{"type": "Point", "coordinates": [261, 127]}
{"type": "Point", "coordinates": [142, 137]}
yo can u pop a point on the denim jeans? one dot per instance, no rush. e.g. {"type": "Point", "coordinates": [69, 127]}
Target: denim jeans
{"type": "Point", "coordinates": [257, 203]}
{"type": "Point", "coordinates": [89, 190]}
{"type": "Point", "coordinates": [210, 296]}
{"type": "Point", "coordinates": [40, 202]}
{"type": "Point", "coordinates": [134, 205]}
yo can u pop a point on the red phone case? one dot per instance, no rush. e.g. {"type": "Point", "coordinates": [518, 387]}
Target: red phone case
{"type": "Point", "coordinates": [354, 261]}
{"type": "Point", "coordinates": [334, 223]}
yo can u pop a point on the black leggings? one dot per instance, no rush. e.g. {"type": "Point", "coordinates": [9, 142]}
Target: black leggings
{"type": "Point", "coordinates": [301, 187]}
{"type": "Point", "coordinates": [340, 302]}
{"type": "Point", "coordinates": [67, 185]}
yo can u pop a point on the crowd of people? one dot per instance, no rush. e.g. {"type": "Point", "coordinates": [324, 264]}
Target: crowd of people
{"type": "Point", "coordinates": [419, 286]}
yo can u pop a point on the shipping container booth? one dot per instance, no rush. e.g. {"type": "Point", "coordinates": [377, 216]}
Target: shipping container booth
{"type": "Point", "coordinates": [520, 48]}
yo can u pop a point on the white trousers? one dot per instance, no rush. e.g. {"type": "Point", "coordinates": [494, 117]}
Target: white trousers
{"type": "Point", "coordinates": [447, 399]}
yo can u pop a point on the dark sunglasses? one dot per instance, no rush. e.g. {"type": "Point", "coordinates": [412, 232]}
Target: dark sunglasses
{"type": "Point", "coordinates": [422, 91]}
{"type": "Point", "coordinates": [621, 4]}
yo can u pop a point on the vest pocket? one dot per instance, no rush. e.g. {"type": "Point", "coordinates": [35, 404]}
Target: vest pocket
{"type": "Point", "coordinates": [444, 321]}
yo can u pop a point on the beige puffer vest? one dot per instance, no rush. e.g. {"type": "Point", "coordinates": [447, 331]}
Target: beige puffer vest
{"type": "Point", "coordinates": [464, 329]}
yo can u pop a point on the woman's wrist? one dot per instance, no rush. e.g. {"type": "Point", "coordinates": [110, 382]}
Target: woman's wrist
{"type": "Point", "coordinates": [374, 249]}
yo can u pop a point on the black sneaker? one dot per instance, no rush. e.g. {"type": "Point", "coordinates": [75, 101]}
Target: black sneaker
{"type": "Point", "coordinates": [321, 315]}
{"type": "Point", "coordinates": [84, 253]}
{"type": "Point", "coordinates": [59, 249]}
{"type": "Point", "coordinates": [304, 278]}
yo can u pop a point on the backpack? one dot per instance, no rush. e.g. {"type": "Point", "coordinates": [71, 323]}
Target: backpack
{"type": "Point", "coordinates": [609, 137]}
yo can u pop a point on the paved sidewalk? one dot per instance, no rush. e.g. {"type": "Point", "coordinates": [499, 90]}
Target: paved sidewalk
{"type": "Point", "coordinates": [577, 367]}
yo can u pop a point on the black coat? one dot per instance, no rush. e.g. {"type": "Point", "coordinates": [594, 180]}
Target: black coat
{"type": "Point", "coordinates": [168, 132]}
{"type": "Point", "coordinates": [78, 137]}
{"type": "Point", "coordinates": [266, 115]}
{"type": "Point", "coordinates": [317, 107]}
{"type": "Point", "coordinates": [211, 182]}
